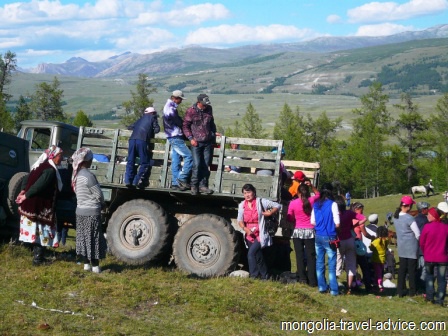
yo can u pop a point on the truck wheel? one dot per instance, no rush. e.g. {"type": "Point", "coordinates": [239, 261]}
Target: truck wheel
{"type": "Point", "coordinates": [137, 231]}
{"type": "Point", "coordinates": [14, 188]}
{"type": "Point", "coordinates": [206, 245]}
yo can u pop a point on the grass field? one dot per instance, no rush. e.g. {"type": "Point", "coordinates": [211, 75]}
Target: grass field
{"type": "Point", "coordinates": [159, 300]}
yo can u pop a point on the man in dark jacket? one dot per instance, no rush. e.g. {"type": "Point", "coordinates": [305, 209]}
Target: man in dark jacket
{"type": "Point", "coordinates": [421, 219]}
{"type": "Point", "coordinates": [143, 130]}
{"type": "Point", "coordinates": [199, 127]}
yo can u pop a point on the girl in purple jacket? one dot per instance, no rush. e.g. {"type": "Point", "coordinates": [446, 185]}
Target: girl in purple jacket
{"type": "Point", "coordinates": [434, 245]}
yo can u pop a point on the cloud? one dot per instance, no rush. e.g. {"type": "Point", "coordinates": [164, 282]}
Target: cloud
{"type": "Point", "coordinates": [392, 11]}
{"type": "Point", "coordinates": [383, 29]}
{"type": "Point", "coordinates": [227, 34]}
{"type": "Point", "coordinates": [334, 19]}
{"type": "Point", "coordinates": [187, 16]}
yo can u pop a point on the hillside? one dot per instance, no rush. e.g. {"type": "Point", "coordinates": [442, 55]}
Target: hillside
{"type": "Point", "coordinates": [317, 82]}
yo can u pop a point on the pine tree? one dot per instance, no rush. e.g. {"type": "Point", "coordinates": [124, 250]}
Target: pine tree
{"type": "Point", "coordinates": [81, 119]}
{"type": "Point", "coordinates": [135, 107]}
{"type": "Point", "coordinates": [47, 101]}
{"type": "Point", "coordinates": [290, 129]}
{"type": "Point", "coordinates": [252, 126]}
{"type": "Point", "coordinates": [23, 112]}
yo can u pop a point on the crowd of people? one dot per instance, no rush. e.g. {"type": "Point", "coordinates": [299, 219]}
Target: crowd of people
{"type": "Point", "coordinates": [326, 228]}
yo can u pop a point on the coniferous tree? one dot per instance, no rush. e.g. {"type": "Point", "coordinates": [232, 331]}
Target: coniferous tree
{"type": "Point", "coordinates": [366, 144]}
{"type": "Point", "coordinates": [8, 64]}
{"type": "Point", "coordinates": [410, 128]}
{"type": "Point", "coordinates": [290, 129]}
{"type": "Point", "coordinates": [252, 126]}
{"type": "Point", "coordinates": [23, 112]}
{"type": "Point", "coordinates": [135, 107]}
{"type": "Point", "coordinates": [81, 119]}
{"type": "Point", "coordinates": [46, 101]}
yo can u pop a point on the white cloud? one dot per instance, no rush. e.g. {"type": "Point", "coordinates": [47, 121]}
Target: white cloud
{"type": "Point", "coordinates": [334, 18]}
{"type": "Point", "coordinates": [192, 15]}
{"type": "Point", "coordinates": [226, 34]}
{"type": "Point", "coordinates": [383, 29]}
{"type": "Point", "coordinates": [392, 11]}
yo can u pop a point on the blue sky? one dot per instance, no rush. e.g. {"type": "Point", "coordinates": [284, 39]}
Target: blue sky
{"type": "Point", "coordinates": [45, 31]}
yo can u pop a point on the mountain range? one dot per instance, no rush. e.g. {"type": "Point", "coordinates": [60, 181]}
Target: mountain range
{"type": "Point", "coordinates": [197, 58]}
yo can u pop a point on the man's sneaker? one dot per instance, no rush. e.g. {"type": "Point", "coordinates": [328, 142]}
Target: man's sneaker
{"type": "Point", "coordinates": [205, 190]}
{"type": "Point", "coordinates": [129, 185]}
{"type": "Point", "coordinates": [194, 190]}
{"type": "Point", "coordinates": [87, 267]}
{"type": "Point", "coordinates": [183, 185]}
{"type": "Point", "coordinates": [96, 269]}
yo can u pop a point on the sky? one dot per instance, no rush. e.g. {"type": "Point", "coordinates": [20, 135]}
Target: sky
{"type": "Point", "coordinates": [46, 31]}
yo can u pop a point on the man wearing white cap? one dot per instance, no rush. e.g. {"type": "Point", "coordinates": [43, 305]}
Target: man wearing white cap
{"type": "Point", "coordinates": [172, 124]}
{"type": "Point", "coordinates": [143, 130]}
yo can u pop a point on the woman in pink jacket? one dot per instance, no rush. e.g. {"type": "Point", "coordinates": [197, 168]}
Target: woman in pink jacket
{"type": "Point", "coordinates": [299, 212]}
{"type": "Point", "coordinates": [434, 245]}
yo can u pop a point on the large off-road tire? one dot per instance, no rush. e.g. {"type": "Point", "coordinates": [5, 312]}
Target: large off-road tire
{"type": "Point", "coordinates": [14, 188]}
{"type": "Point", "coordinates": [206, 245]}
{"type": "Point", "coordinates": [137, 231]}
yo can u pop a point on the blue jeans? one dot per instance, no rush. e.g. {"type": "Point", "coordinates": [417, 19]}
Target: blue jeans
{"type": "Point", "coordinates": [179, 151]}
{"type": "Point", "coordinates": [441, 282]}
{"type": "Point", "coordinates": [322, 248]}
{"type": "Point", "coordinates": [202, 158]}
{"type": "Point", "coordinates": [138, 148]}
{"type": "Point", "coordinates": [255, 259]}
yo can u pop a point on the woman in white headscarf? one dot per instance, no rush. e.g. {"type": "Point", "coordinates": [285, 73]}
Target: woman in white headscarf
{"type": "Point", "coordinates": [90, 241]}
{"type": "Point", "coordinates": [37, 202]}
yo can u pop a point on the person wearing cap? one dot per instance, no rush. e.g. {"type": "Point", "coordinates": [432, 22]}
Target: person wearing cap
{"type": "Point", "coordinates": [371, 230]}
{"type": "Point", "coordinates": [348, 198]}
{"type": "Point", "coordinates": [434, 244]}
{"type": "Point", "coordinates": [143, 130]}
{"type": "Point", "coordinates": [421, 219]}
{"type": "Point", "coordinates": [297, 179]}
{"type": "Point", "coordinates": [172, 123]}
{"type": "Point", "coordinates": [199, 127]}
{"type": "Point", "coordinates": [442, 206]}
{"type": "Point", "coordinates": [407, 242]}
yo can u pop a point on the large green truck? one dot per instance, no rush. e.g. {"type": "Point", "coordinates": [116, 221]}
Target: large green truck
{"type": "Point", "coordinates": [199, 232]}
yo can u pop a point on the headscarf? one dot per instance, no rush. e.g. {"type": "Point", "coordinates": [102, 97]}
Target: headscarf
{"type": "Point", "coordinates": [434, 213]}
{"type": "Point", "coordinates": [83, 154]}
{"type": "Point", "coordinates": [49, 154]}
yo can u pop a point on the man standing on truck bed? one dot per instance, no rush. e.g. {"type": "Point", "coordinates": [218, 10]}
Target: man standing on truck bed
{"type": "Point", "coordinates": [143, 130]}
{"type": "Point", "coordinates": [172, 123]}
{"type": "Point", "coordinates": [199, 127]}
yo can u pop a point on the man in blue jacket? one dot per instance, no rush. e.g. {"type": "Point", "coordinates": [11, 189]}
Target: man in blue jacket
{"type": "Point", "coordinates": [143, 130]}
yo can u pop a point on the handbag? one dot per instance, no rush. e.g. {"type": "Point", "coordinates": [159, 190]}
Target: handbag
{"type": "Point", "coordinates": [360, 247]}
{"type": "Point", "coordinates": [271, 223]}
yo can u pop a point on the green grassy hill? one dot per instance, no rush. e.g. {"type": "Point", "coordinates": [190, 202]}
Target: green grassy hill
{"type": "Point", "coordinates": [316, 82]}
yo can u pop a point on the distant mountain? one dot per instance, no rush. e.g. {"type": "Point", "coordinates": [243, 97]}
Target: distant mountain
{"type": "Point", "coordinates": [194, 58]}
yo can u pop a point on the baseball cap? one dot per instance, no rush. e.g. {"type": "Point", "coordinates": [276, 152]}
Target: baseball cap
{"type": "Point", "coordinates": [178, 94]}
{"type": "Point", "coordinates": [150, 110]}
{"type": "Point", "coordinates": [373, 218]}
{"type": "Point", "coordinates": [422, 205]}
{"type": "Point", "coordinates": [442, 206]}
{"type": "Point", "coordinates": [407, 200]}
{"type": "Point", "coordinates": [299, 175]}
{"type": "Point", "coordinates": [203, 98]}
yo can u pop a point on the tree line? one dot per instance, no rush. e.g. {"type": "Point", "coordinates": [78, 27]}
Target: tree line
{"type": "Point", "coordinates": [381, 156]}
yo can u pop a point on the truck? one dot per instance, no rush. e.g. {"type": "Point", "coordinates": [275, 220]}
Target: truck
{"type": "Point", "coordinates": [198, 232]}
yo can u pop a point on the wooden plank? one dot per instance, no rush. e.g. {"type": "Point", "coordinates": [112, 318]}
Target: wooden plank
{"type": "Point", "coordinates": [111, 168]}
{"type": "Point", "coordinates": [218, 175]}
{"type": "Point", "coordinates": [301, 164]}
{"type": "Point", "coordinates": [164, 182]}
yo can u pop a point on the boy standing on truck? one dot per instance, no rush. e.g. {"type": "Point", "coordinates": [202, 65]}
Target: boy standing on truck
{"type": "Point", "coordinates": [143, 130]}
{"type": "Point", "coordinates": [199, 127]}
{"type": "Point", "coordinates": [172, 124]}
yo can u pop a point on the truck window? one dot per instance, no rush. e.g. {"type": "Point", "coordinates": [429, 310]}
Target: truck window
{"type": "Point", "coordinates": [39, 138]}
{"type": "Point", "coordinates": [68, 141]}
